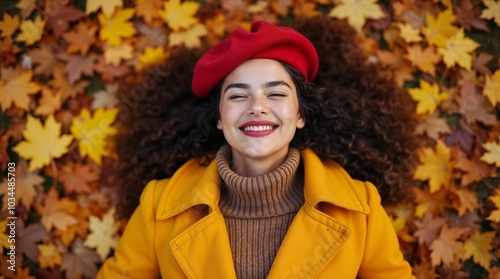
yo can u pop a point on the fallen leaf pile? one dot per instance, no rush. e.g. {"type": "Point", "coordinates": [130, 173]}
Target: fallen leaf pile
{"type": "Point", "coordinates": [61, 62]}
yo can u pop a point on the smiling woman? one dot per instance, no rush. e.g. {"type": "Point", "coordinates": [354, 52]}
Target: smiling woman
{"type": "Point", "coordinates": [265, 174]}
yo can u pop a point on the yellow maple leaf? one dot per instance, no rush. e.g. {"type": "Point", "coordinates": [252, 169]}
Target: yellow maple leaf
{"type": "Point", "coordinates": [148, 10]}
{"type": "Point", "coordinates": [492, 11]}
{"type": "Point", "coordinates": [93, 132]}
{"type": "Point", "coordinates": [152, 56]}
{"type": "Point", "coordinates": [492, 156]}
{"type": "Point", "coordinates": [4, 237]}
{"type": "Point", "coordinates": [409, 34]}
{"type": "Point", "coordinates": [42, 143]}
{"type": "Point", "coordinates": [49, 256]}
{"type": "Point", "coordinates": [114, 55]}
{"type": "Point", "coordinates": [436, 166]}
{"type": "Point", "coordinates": [439, 28]}
{"type": "Point", "coordinates": [190, 38]}
{"type": "Point", "coordinates": [478, 247]}
{"type": "Point", "coordinates": [458, 50]}
{"type": "Point", "coordinates": [116, 27]}
{"type": "Point", "coordinates": [428, 97]}
{"type": "Point", "coordinates": [179, 15]}
{"type": "Point", "coordinates": [492, 88]}
{"type": "Point", "coordinates": [495, 214]}
{"type": "Point", "coordinates": [424, 59]}
{"type": "Point", "coordinates": [103, 233]}
{"type": "Point", "coordinates": [49, 103]}
{"type": "Point", "coordinates": [107, 7]}
{"type": "Point", "coordinates": [16, 90]}
{"type": "Point", "coordinates": [356, 12]}
{"type": "Point", "coordinates": [31, 31]}
{"type": "Point", "coordinates": [8, 25]}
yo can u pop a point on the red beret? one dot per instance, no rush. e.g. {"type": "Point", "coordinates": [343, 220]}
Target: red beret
{"type": "Point", "coordinates": [264, 40]}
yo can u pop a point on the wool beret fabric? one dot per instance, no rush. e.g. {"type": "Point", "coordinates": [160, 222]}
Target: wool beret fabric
{"type": "Point", "coordinates": [264, 40]}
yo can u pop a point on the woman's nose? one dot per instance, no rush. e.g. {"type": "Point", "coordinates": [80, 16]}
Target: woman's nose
{"type": "Point", "coordinates": [258, 106]}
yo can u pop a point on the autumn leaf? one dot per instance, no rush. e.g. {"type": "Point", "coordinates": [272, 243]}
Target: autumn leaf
{"type": "Point", "coordinates": [148, 10]}
{"type": "Point", "coordinates": [63, 86]}
{"type": "Point", "coordinates": [179, 15]}
{"type": "Point", "coordinates": [432, 125]}
{"type": "Point", "coordinates": [49, 103]}
{"type": "Point", "coordinates": [26, 7]}
{"type": "Point", "coordinates": [42, 143]}
{"type": "Point", "coordinates": [16, 90]}
{"type": "Point", "coordinates": [80, 261]}
{"type": "Point", "coordinates": [473, 106]}
{"type": "Point", "coordinates": [103, 234]}
{"type": "Point", "coordinates": [439, 28]}
{"type": "Point", "coordinates": [49, 256]}
{"type": "Point", "coordinates": [463, 138]}
{"type": "Point", "coordinates": [60, 16]}
{"type": "Point", "coordinates": [27, 238]}
{"type": "Point", "coordinates": [467, 201]}
{"type": "Point", "coordinates": [152, 56]}
{"type": "Point", "coordinates": [475, 170]}
{"type": "Point", "coordinates": [458, 50]}
{"type": "Point", "coordinates": [426, 201]}
{"type": "Point", "coordinates": [409, 34]}
{"type": "Point", "coordinates": [31, 31]}
{"type": "Point", "coordinates": [480, 62]}
{"type": "Point", "coordinates": [56, 212]}
{"type": "Point", "coordinates": [105, 98]}
{"type": "Point", "coordinates": [424, 59]}
{"type": "Point", "coordinates": [436, 166]}
{"type": "Point", "coordinates": [447, 247]}
{"type": "Point", "coordinates": [116, 27]}
{"type": "Point", "coordinates": [93, 131]}
{"type": "Point", "coordinates": [357, 12]}
{"type": "Point", "coordinates": [26, 183]}
{"type": "Point", "coordinates": [4, 234]}
{"type": "Point", "coordinates": [114, 55]}
{"type": "Point", "coordinates": [492, 11]}
{"type": "Point", "coordinates": [495, 214]}
{"type": "Point", "coordinates": [80, 39]}
{"type": "Point", "coordinates": [478, 247]}
{"type": "Point", "coordinates": [107, 7]}
{"type": "Point", "coordinates": [78, 65]}
{"type": "Point", "coordinates": [77, 178]}
{"type": "Point", "coordinates": [492, 154]}
{"type": "Point", "coordinates": [79, 229]}
{"type": "Point", "coordinates": [190, 38]}
{"type": "Point", "coordinates": [428, 97]}
{"type": "Point", "coordinates": [23, 273]}
{"type": "Point", "coordinates": [44, 57]}
{"type": "Point", "coordinates": [8, 25]}
{"type": "Point", "coordinates": [467, 15]}
{"type": "Point", "coordinates": [429, 228]}
{"type": "Point", "coordinates": [492, 88]}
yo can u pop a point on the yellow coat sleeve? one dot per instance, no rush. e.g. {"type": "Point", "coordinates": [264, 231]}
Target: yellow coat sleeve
{"type": "Point", "coordinates": [135, 255]}
{"type": "Point", "coordinates": [382, 258]}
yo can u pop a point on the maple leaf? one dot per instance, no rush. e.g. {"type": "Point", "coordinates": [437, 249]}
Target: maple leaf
{"type": "Point", "coordinates": [281, 7]}
{"type": "Point", "coordinates": [356, 12]}
{"type": "Point", "coordinates": [114, 55]}
{"type": "Point", "coordinates": [179, 15]}
{"type": "Point", "coordinates": [81, 39]}
{"type": "Point", "coordinates": [478, 247]}
{"type": "Point", "coordinates": [93, 131]}
{"type": "Point", "coordinates": [23, 273]}
{"type": "Point", "coordinates": [105, 98]}
{"type": "Point", "coordinates": [439, 28]}
{"type": "Point", "coordinates": [56, 212]}
{"type": "Point", "coordinates": [49, 103]}
{"type": "Point", "coordinates": [31, 31]}
{"type": "Point", "coordinates": [446, 247]}
{"type": "Point", "coordinates": [16, 90]}
{"type": "Point", "coordinates": [426, 201]}
{"type": "Point", "coordinates": [458, 50]}
{"type": "Point", "coordinates": [492, 88]}
{"type": "Point", "coordinates": [495, 214]}
{"type": "Point", "coordinates": [4, 238]}
{"type": "Point", "coordinates": [467, 201]}
{"type": "Point", "coordinates": [49, 256]}
{"type": "Point", "coordinates": [116, 27]}
{"type": "Point", "coordinates": [103, 234]}
{"type": "Point", "coordinates": [464, 139]}
{"type": "Point", "coordinates": [473, 106]}
{"type": "Point", "coordinates": [27, 237]}
{"type": "Point", "coordinates": [427, 96]}
{"type": "Point", "coordinates": [152, 56]}
{"type": "Point", "coordinates": [475, 170]}
{"type": "Point", "coordinates": [78, 65]}
{"type": "Point", "coordinates": [44, 57]}
{"type": "Point", "coordinates": [436, 166]}
{"type": "Point", "coordinates": [42, 143]}
{"type": "Point", "coordinates": [189, 38]}
{"type": "Point", "coordinates": [425, 59]}
{"type": "Point", "coordinates": [467, 15]}
{"type": "Point", "coordinates": [148, 10]}
{"type": "Point", "coordinates": [492, 11]}
{"type": "Point", "coordinates": [433, 126]}
{"type": "Point", "coordinates": [80, 261]}
{"type": "Point", "coordinates": [424, 270]}
{"type": "Point", "coordinates": [408, 33]}
{"type": "Point", "coordinates": [76, 178]}
{"type": "Point", "coordinates": [492, 154]}
{"type": "Point", "coordinates": [480, 61]}
{"type": "Point", "coordinates": [108, 7]}
{"type": "Point", "coordinates": [429, 229]}
{"type": "Point", "coordinates": [64, 87]}
{"type": "Point", "coordinates": [26, 7]}
{"type": "Point", "coordinates": [59, 17]}
{"type": "Point", "coordinates": [26, 183]}
{"type": "Point", "coordinates": [8, 25]}
{"type": "Point", "coordinates": [80, 228]}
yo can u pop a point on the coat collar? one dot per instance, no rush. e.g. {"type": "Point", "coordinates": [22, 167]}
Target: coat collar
{"type": "Point", "coordinates": [325, 182]}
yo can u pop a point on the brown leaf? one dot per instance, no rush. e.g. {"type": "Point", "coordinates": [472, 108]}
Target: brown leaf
{"type": "Point", "coordinates": [60, 15]}
{"type": "Point", "coordinates": [44, 57]}
{"type": "Point", "coordinates": [28, 237]}
{"type": "Point", "coordinates": [462, 138]}
{"type": "Point", "coordinates": [4, 156]}
{"type": "Point", "coordinates": [77, 178]}
{"type": "Point", "coordinates": [446, 247]}
{"type": "Point", "coordinates": [110, 73]}
{"type": "Point", "coordinates": [475, 170]}
{"type": "Point", "coordinates": [81, 38]}
{"type": "Point", "coordinates": [49, 103]}
{"type": "Point", "coordinates": [480, 61]}
{"type": "Point", "coordinates": [429, 229]}
{"type": "Point", "coordinates": [80, 261]}
{"type": "Point", "coordinates": [62, 84]}
{"type": "Point", "coordinates": [468, 16]}
{"type": "Point", "coordinates": [78, 65]}
{"type": "Point", "coordinates": [474, 106]}
{"type": "Point", "coordinates": [433, 126]}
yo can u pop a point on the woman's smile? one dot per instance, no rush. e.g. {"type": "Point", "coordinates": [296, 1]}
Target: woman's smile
{"type": "Point", "coordinates": [258, 128]}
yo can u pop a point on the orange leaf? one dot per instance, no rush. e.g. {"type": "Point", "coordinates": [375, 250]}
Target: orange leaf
{"type": "Point", "coordinates": [478, 247]}
{"type": "Point", "coordinates": [8, 25]}
{"type": "Point", "coordinates": [148, 10]}
{"type": "Point", "coordinates": [447, 247]}
{"type": "Point", "coordinates": [49, 103]}
{"type": "Point", "coordinates": [437, 166]}
{"type": "Point", "coordinates": [77, 178]}
{"type": "Point", "coordinates": [80, 39]}
{"type": "Point", "coordinates": [16, 89]}
{"type": "Point", "coordinates": [495, 214]}
{"type": "Point", "coordinates": [432, 125]}
{"type": "Point", "coordinates": [56, 212]}
{"type": "Point", "coordinates": [26, 185]}
{"type": "Point", "coordinates": [467, 201]}
{"type": "Point", "coordinates": [425, 60]}
{"type": "Point", "coordinates": [49, 256]}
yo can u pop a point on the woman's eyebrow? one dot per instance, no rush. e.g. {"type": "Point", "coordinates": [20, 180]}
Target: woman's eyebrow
{"type": "Point", "coordinates": [276, 83]}
{"type": "Point", "coordinates": [237, 85]}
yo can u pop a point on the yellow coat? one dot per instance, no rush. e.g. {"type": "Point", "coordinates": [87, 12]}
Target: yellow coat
{"type": "Point", "coordinates": [178, 231]}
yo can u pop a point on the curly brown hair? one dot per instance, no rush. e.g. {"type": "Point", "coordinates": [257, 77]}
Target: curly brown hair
{"type": "Point", "coordinates": [357, 118]}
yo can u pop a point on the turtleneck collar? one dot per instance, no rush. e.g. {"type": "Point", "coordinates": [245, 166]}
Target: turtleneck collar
{"type": "Point", "coordinates": [276, 193]}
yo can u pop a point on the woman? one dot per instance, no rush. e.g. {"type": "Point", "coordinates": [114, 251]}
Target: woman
{"type": "Point", "coordinates": [269, 201]}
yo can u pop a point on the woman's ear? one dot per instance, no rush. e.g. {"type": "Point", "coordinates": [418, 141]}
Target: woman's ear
{"type": "Point", "coordinates": [219, 124]}
{"type": "Point", "coordinates": [301, 122]}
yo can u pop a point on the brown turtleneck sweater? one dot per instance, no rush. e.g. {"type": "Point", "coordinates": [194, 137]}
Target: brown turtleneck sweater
{"type": "Point", "coordinates": [258, 212]}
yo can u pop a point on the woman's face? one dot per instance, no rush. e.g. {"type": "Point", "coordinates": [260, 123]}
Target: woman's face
{"type": "Point", "coordinates": [259, 113]}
